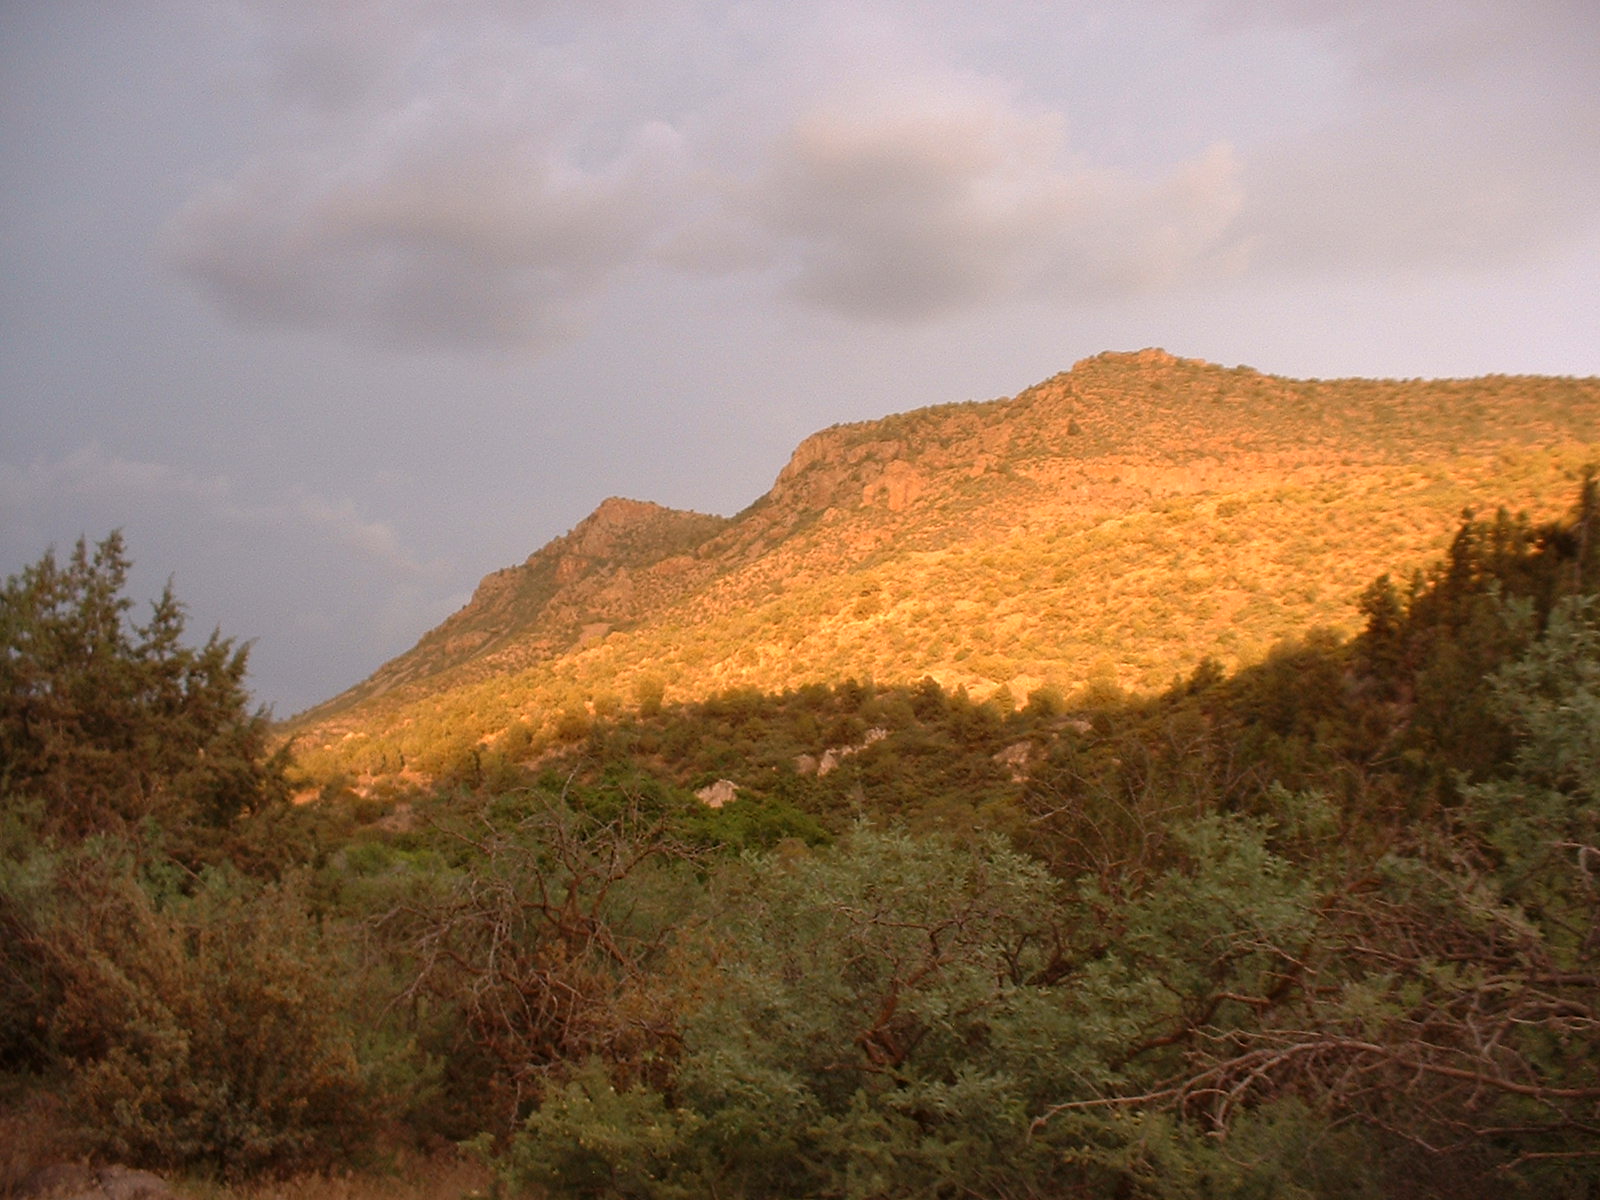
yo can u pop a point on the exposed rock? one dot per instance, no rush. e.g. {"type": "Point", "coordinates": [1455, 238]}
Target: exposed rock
{"type": "Point", "coordinates": [723, 791]}
{"type": "Point", "coordinates": [598, 574]}
{"type": "Point", "coordinates": [73, 1181]}
{"type": "Point", "coordinates": [831, 758]}
{"type": "Point", "coordinates": [1016, 758]}
{"type": "Point", "coordinates": [1040, 475]}
{"type": "Point", "coordinates": [120, 1183]}
{"type": "Point", "coordinates": [402, 818]}
{"type": "Point", "coordinates": [897, 488]}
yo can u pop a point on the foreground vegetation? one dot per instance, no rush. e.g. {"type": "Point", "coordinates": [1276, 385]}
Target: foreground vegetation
{"type": "Point", "coordinates": [1325, 926]}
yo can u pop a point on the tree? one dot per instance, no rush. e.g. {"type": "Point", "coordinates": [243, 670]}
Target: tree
{"type": "Point", "coordinates": [859, 1021]}
{"type": "Point", "coordinates": [1430, 1012]}
{"type": "Point", "coordinates": [105, 723]}
{"type": "Point", "coordinates": [538, 952]}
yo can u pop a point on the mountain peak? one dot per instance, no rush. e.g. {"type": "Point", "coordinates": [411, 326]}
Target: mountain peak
{"type": "Point", "coordinates": [1150, 356]}
{"type": "Point", "coordinates": [632, 531]}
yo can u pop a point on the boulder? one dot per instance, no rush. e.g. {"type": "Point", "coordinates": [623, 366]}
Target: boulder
{"type": "Point", "coordinates": [74, 1181]}
{"type": "Point", "coordinates": [723, 791]}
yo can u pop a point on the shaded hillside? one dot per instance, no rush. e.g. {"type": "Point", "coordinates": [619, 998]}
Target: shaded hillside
{"type": "Point", "coordinates": [1111, 526]}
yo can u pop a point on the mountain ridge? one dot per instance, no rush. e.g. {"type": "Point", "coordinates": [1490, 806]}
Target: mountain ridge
{"type": "Point", "coordinates": [894, 529]}
{"type": "Point", "coordinates": [577, 581]}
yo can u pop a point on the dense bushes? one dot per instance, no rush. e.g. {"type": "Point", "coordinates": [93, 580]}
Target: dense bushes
{"type": "Point", "coordinates": [540, 947]}
{"type": "Point", "coordinates": [186, 1011]}
{"type": "Point", "coordinates": [207, 1026]}
{"type": "Point", "coordinates": [1324, 927]}
{"type": "Point", "coordinates": [859, 1021]}
{"type": "Point", "coordinates": [1321, 928]}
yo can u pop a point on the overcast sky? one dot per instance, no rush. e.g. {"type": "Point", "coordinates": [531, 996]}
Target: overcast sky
{"type": "Point", "coordinates": [336, 305]}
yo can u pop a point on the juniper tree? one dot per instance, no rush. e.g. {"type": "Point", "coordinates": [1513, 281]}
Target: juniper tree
{"type": "Point", "coordinates": [106, 722]}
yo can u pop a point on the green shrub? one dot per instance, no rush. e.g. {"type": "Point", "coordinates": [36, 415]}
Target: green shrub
{"type": "Point", "coordinates": [862, 1024]}
{"type": "Point", "coordinates": [207, 1030]}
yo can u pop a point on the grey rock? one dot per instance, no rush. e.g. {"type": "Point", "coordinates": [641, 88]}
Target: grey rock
{"type": "Point", "coordinates": [74, 1181]}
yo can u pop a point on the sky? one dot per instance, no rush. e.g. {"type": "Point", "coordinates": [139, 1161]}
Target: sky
{"type": "Point", "coordinates": [335, 306]}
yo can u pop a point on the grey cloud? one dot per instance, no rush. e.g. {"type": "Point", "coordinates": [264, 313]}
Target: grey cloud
{"type": "Point", "coordinates": [330, 55]}
{"type": "Point", "coordinates": [475, 173]}
{"type": "Point", "coordinates": [438, 180]}
{"type": "Point", "coordinates": [480, 204]}
{"type": "Point", "coordinates": [451, 237]}
{"type": "Point", "coordinates": [1418, 193]}
{"type": "Point", "coordinates": [928, 198]}
{"type": "Point", "coordinates": [335, 55]}
{"type": "Point", "coordinates": [1470, 139]}
{"type": "Point", "coordinates": [1525, 61]}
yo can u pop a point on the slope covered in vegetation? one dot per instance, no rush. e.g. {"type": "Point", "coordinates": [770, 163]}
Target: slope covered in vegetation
{"type": "Point", "coordinates": [1323, 926]}
{"type": "Point", "coordinates": [1112, 527]}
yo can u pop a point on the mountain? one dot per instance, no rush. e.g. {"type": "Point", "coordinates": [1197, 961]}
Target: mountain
{"type": "Point", "coordinates": [1110, 527]}
{"type": "Point", "coordinates": [615, 567]}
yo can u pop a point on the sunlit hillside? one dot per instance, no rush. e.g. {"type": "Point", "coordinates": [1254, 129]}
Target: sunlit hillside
{"type": "Point", "coordinates": [1110, 527]}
